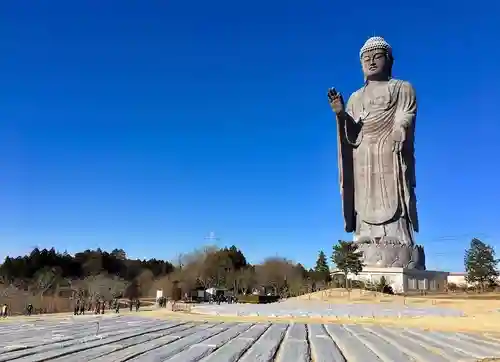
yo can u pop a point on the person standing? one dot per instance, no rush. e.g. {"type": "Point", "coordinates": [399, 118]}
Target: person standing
{"type": "Point", "coordinates": [77, 307]}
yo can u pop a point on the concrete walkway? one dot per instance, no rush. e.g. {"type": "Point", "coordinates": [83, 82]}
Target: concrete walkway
{"type": "Point", "coordinates": [134, 338]}
{"type": "Point", "coordinates": [291, 308]}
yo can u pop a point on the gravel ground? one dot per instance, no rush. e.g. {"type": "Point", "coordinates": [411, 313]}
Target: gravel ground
{"type": "Point", "coordinates": [133, 338]}
{"type": "Point", "coordinates": [319, 309]}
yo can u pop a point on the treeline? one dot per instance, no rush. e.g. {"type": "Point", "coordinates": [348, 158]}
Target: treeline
{"type": "Point", "coordinates": [83, 264]}
{"type": "Point", "coordinates": [102, 274]}
{"type": "Point", "coordinates": [98, 272]}
{"type": "Point", "coordinates": [228, 268]}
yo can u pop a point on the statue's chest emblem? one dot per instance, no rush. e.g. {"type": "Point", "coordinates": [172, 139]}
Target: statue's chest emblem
{"type": "Point", "coordinates": [377, 98]}
{"type": "Point", "coordinates": [378, 101]}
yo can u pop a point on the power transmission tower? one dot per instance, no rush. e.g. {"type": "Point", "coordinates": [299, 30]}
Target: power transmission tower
{"type": "Point", "coordinates": [211, 236]}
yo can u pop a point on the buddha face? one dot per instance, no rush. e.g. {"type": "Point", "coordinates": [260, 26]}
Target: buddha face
{"type": "Point", "coordinates": [376, 64]}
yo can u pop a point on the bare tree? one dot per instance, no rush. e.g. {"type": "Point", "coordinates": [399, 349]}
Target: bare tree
{"type": "Point", "coordinates": [103, 286]}
{"type": "Point", "coordinates": [45, 279]}
{"type": "Point", "coordinates": [196, 270]}
{"type": "Point", "coordinates": [218, 269]}
{"type": "Point", "coordinates": [276, 273]}
{"type": "Point", "coordinates": [247, 279]}
{"type": "Point", "coordinates": [145, 282]}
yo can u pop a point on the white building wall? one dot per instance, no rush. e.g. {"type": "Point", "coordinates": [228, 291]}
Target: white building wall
{"type": "Point", "coordinates": [405, 280]}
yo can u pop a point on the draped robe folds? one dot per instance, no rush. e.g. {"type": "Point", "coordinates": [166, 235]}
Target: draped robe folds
{"type": "Point", "coordinates": [377, 183]}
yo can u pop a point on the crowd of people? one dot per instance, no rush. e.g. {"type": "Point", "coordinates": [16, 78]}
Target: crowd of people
{"type": "Point", "coordinates": [162, 302]}
{"type": "Point", "coordinates": [211, 299]}
{"type": "Point", "coordinates": [99, 306]}
{"type": "Point", "coordinates": [81, 306]}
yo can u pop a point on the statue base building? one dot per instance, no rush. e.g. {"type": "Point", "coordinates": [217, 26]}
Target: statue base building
{"type": "Point", "coordinates": [404, 281]}
{"type": "Point", "coordinates": [402, 266]}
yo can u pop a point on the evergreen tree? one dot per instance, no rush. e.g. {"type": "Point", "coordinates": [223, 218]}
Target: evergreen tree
{"type": "Point", "coordinates": [480, 263]}
{"type": "Point", "coordinates": [322, 270]}
{"type": "Point", "coordinates": [322, 263]}
{"type": "Point", "coordinates": [347, 258]}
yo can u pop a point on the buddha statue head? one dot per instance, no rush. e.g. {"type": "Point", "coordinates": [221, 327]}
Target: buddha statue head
{"type": "Point", "coordinates": [376, 59]}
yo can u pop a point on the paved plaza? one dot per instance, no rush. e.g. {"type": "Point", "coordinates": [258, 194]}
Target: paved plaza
{"type": "Point", "coordinates": [291, 308]}
{"type": "Point", "coordinates": [133, 338]}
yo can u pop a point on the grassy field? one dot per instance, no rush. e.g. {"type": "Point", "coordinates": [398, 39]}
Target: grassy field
{"type": "Point", "coordinates": [476, 296]}
{"type": "Point", "coordinates": [469, 303]}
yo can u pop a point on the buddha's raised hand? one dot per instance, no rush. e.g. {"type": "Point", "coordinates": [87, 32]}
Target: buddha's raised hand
{"type": "Point", "coordinates": [336, 101]}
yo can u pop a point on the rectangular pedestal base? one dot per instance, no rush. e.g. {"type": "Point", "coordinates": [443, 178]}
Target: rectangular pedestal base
{"type": "Point", "coordinates": [405, 280]}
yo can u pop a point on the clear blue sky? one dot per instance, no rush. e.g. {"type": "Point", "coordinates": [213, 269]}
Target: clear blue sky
{"type": "Point", "coordinates": [147, 124]}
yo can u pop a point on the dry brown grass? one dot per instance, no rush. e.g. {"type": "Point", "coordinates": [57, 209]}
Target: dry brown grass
{"type": "Point", "coordinates": [471, 296]}
{"type": "Point", "coordinates": [342, 296]}
{"type": "Point", "coordinates": [47, 304]}
{"type": "Point", "coordinates": [471, 304]}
